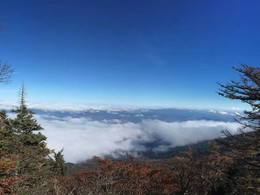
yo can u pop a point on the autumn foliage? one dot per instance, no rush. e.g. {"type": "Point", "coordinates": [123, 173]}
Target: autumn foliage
{"type": "Point", "coordinates": [121, 177]}
{"type": "Point", "coordinates": [190, 174]}
{"type": "Point", "coordinates": [8, 178]}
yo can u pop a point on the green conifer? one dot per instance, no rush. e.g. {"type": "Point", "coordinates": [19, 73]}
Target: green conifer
{"type": "Point", "coordinates": [34, 162]}
{"type": "Point", "coordinates": [7, 136]}
{"type": "Point", "coordinates": [25, 122]}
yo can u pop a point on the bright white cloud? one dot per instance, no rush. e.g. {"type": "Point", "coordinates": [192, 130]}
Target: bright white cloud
{"type": "Point", "coordinates": [222, 112]}
{"type": "Point", "coordinates": [82, 138]}
{"type": "Point", "coordinates": [213, 111]}
{"type": "Point", "coordinates": [236, 108]}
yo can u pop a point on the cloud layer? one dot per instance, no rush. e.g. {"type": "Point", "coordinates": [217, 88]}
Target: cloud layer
{"type": "Point", "coordinates": [82, 138]}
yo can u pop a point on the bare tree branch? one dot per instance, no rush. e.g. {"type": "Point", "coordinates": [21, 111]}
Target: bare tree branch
{"type": "Point", "coordinates": [5, 73]}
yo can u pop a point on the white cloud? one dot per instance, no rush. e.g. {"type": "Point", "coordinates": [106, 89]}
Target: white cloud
{"type": "Point", "coordinates": [222, 112]}
{"type": "Point", "coordinates": [8, 105]}
{"type": "Point", "coordinates": [236, 108]}
{"type": "Point", "coordinates": [82, 138]}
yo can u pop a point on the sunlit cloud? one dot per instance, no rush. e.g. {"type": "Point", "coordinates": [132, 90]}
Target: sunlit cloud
{"type": "Point", "coordinates": [222, 112]}
{"type": "Point", "coordinates": [83, 138]}
{"type": "Point", "coordinates": [82, 135]}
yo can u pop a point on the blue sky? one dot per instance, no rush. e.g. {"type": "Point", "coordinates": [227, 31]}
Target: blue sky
{"type": "Point", "coordinates": [151, 52]}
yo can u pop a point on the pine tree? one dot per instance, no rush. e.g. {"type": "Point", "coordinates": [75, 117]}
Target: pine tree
{"type": "Point", "coordinates": [30, 147]}
{"type": "Point", "coordinates": [34, 164]}
{"type": "Point", "coordinates": [7, 136]}
{"type": "Point", "coordinates": [58, 163]}
{"type": "Point", "coordinates": [25, 122]}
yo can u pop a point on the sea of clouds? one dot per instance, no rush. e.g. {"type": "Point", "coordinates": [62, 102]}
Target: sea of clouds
{"type": "Point", "coordinates": [82, 138]}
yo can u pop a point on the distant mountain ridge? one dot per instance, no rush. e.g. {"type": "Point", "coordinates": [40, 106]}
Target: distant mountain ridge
{"type": "Point", "coordinates": [136, 116]}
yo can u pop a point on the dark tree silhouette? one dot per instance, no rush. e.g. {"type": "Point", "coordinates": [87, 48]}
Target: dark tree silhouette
{"type": "Point", "coordinates": [246, 90]}
{"type": "Point", "coordinates": [245, 147]}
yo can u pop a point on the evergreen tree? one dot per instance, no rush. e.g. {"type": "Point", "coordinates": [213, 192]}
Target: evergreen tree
{"type": "Point", "coordinates": [5, 122]}
{"type": "Point", "coordinates": [25, 122]}
{"type": "Point", "coordinates": [34, 162]}
{"type": "Point", "coordinates": [7, 136]}
{"type": "Point", "coordinates": [58, 163]}
{"type": "Point", "coordinates": [30, 147]}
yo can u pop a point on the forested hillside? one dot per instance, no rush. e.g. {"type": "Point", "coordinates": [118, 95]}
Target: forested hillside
{"type": "Point", "coordinates": [230, 166]}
